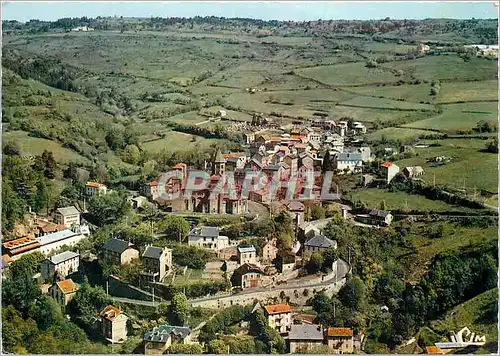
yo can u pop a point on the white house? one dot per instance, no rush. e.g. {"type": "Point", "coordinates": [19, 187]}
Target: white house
{"type": "Point", "coordinates": [247, 255]}
{"type": "Point", "coordinates": [208, 237]}
{"type": "Point", "coordinates": [347, 161]}
{"type": "Point", "coordinates": [52, 242]}
{"type": "Point", "coordinates": [68, 216]}
{"type": "Point", "coordinates": [63, 264]}
{"type": "Point", "coordinates": [94, 188]}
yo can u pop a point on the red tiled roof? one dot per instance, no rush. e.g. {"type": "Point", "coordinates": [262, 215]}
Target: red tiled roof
{"type": "Point", "coordinates": [234, 154]}
{"type": "Point", "coordinates": [339, 332]}
{"type": "Point", "coordinates": [277, 309]}
{"type": "Point", "coordinates": [110, 312]}
{"type": "Point", "coordinates": [386, 164]}
{"type": "Point", "coordinates": [153, 184]}
{"type": "Point", "coordinates": [433, 350]}
{"type": "Point", "coordinates": [67, 286]}
{"type": "Point", "coordinates": [94, 184]}
{"type": "Point", "coordinates": [179, 166]}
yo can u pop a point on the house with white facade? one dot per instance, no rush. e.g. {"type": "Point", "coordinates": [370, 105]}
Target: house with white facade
{"type": "Point", "coordinates": [208, 237]}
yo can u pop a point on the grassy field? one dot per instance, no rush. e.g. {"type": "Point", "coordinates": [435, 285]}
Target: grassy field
{"type": "Point", "coordinates": [396, 133]}
{"type": "Point", "coordinates": [468, 91]}
{"type": "Point", "coordinates": [174, 140]}
{"type": "Point", "coordinates": [372, 198]}
{"type": "Point", "coordinates": [409, 93]}
{"type": "Point", "coordinates": [478, 314]}
{"type": "Point", "coordinates": [458, 117]}
{"type": "Point", "coordinates": [348, 74]}
{"type": "Point", "coordinates": [447, 67]}
{"type": "Point", "coordinates": [468, 165]}
{"type": "Point", "coordinates": [34, 146]}
{"type": "Point", "coordinates": [368, 101]}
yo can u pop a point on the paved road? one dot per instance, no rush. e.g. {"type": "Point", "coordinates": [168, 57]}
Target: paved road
{"type": "Point", "coordinates": [139, 302]}
{"type": "Point", "coordinates": [342, 271]}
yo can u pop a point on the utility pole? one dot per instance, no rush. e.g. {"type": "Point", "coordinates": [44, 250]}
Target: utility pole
{"type": "Point", "coordinates": [107, 286]}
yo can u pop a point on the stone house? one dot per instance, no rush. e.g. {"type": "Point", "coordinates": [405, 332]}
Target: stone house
{"type": "Point", "coordinates": [380, 217]}
{"type": "Point", "coordinates": [340, 340]}
{"type": "Point", "coordinates": [285, 261]}
{"type": "Point", "coordinates": [318, 243]}
{"type": "Point", "coordinates": [269, 251]}
{"type": "Point", "coordinates": [247, 276]}
{"type": "Point", "coordinates": [413, 172]}
{"type": "Point", "coordinates": [297, 211]}
{"type": "Point", "coordinates": [304, 338]}
{"type": "Point", "coordinates": [63, 291]}
{"type": "Point", "coordinates": [246, 255]}
{"type": "Point", "coordinates": [61, 264]}
{"type": "Point", "coordinates": [347, 162]}
{"type": "Point", "coordinates": [112, 323]}
{"type": "Point", "coordinates": [156, 261]}
{"type": "Point", "coordinates": [119, 252]}
{"type": "Point", "coordinates": [279, 317]}
{"type": "Point", "coordinates": [67, 216]}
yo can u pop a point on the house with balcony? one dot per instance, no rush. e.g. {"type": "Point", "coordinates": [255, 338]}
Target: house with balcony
{"type": "Point", "coordinates": [156, 262]}
{"type": "Point", "coordinates": [279, 317]}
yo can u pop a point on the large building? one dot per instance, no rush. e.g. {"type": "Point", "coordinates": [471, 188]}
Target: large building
{"type": "Point", "coordinates": [279, 317]}
{"type": "Point", "coordinates": [17, 248]}
{"type": "Point", "coordinates": [208, 237]}
{"type": "Point", "coordinates": [68, 216]}
{"type": "Point", "coordinates": [52, 242]}
{"type": "Point", "coordinates": [61, 264]}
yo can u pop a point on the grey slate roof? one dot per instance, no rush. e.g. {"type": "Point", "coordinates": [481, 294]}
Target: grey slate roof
{"type": "Point", "coordinates": [206, 231]}
{"type": "Point", "coordinates": [68, 210]}
{"type": "Point", "coordinates": [306, 332]}
{"type": "Point", "coordinates": [320, 241]}
{"type": "Point", "coordinates": [63, 256]}
{"type": "Point", "coordinates": [116, 245]}
{"type": "Point", "coordinates": [162, 333]}
{"type": "Point", "coordinates": [246, 249]}
{"type": "Point", "coordinates": [348, 157]}
{"type": "Point", "coordinates": [152, 252]}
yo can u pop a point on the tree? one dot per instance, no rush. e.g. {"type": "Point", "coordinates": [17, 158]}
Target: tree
{"type": "Point", "coordinates": [188, 349]}
{"type": "Point", "coordinates": [20, 291]}
{"type": "Point", "coordinates": [131, 154]}
{"type": "Point", "coordinates": [179, 309]}
{"type": "Point", "coordinates": [315, 263]}
{"type": "Point", "coordinates": [492, 146]}
{"type": "Point", "coordinates": [16, 330]}
{"type": "Point", "coordinates": [44, 344]}
{"type": "Point", "coordinates": [383, 205]}
{"type": "Point", "coordinates": [87, 302]}
{"type": "Point", "coordinates": [217, 347]}
{"type": "Point", "coordinates": [12, 148]}
{"type": "Point", "coordinates": [27, 265]}
{"type": "Point", "coordinates": [353, 294]}
{"type": "Point", "coordinates": [46, 312]}
{"type": "Point", "coordinates": [109, 207]}
{"type": "Point", "coordinates": [317, 212]}
{"type": "Point", "coordinates": [46, 164]}
{"type": "Point", "coordinates": [175, 227]}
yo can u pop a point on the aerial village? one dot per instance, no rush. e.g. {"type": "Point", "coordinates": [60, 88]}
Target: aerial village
{"type": "Point", "coordinates": [262, 275]}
